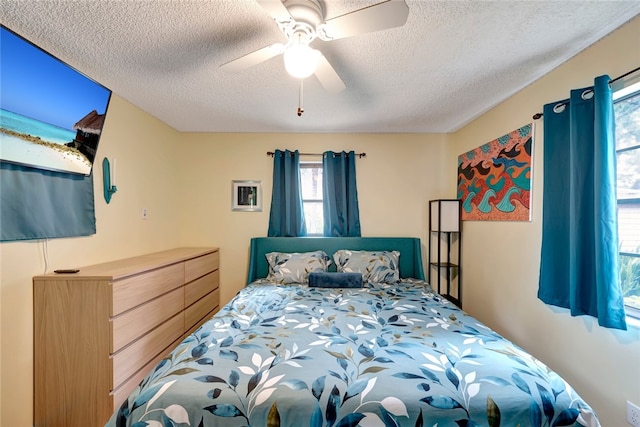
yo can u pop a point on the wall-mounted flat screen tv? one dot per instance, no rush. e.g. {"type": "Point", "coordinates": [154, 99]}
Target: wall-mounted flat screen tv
{"type": "Point", "coordinates": [51, 115]}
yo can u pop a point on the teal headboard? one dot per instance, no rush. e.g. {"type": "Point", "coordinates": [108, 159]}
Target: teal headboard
{"type": "Point", "coordinates": [409, 248]}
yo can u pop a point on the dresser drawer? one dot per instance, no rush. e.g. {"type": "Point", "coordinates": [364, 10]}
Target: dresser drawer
{"type": "Point", "coordinates": [199, 323]}
{"type": "Point", "coordinates": [198, 267]}
{"type": "Point", "coordinates": [135, 290]}
{"type": "Point", "coordinates": [132, 358]}
{"type": "Point", "coordinates": [118, 395]}
{"type": "Point", "coordinates": [200, 287]}
{"type": "Point", "coordinates": [134, 323]}
{"type": "Point", "coordinates": [200, 308]}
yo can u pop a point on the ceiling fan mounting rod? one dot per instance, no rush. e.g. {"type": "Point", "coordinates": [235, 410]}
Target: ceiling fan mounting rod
{"type": "Point", "coordinates": [307, 11]}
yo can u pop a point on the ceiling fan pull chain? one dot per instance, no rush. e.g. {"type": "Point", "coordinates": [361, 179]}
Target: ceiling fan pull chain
{"type": "Point", "coordinates": [300, 109]}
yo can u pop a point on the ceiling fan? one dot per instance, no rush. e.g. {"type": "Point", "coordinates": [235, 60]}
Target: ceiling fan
{"type": "Point", "coordinates": [302, 21]}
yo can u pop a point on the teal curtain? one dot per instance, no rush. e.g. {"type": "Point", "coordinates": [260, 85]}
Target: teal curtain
{"type": "Point", "coordinates": [340, 194]}
{"type": "Point", "coordinates": [40, 204]}
{"type": "Point", "coordinates": [286, 218]}
{"type": "Point", "coordinates": [579, 259]}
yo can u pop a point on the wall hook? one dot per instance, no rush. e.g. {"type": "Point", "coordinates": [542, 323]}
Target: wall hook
{"type": "Point", "coordinates": [109, 179]}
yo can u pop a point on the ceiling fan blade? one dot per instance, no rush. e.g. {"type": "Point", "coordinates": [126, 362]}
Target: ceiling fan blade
{"type": "Point", "coordinates": [328, 76]}
{"type": "Point", "coordinates": [276, 9]}
{"type": "Point", "coordinates": [254, 58]}
{"type": "Point", "coordinates": [389, 14]}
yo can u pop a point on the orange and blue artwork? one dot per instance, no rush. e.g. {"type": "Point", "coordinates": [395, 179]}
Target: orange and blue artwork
{"type": "Point", "coordinates": [494, 180]}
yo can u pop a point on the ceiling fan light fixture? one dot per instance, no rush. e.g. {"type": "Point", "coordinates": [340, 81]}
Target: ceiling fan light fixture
{"type": "Point", "coordinates": [300, 60]}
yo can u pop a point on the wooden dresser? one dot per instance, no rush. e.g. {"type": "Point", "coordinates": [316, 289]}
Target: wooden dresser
{"type": "Point", "coordinates": [98, 332]}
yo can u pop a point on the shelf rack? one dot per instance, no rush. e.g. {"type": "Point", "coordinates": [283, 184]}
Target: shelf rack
{"type": "Point", "coordinates": [445, 239]}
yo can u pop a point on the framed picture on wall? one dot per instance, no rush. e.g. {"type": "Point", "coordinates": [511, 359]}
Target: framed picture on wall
{"type": "Point", "coordinates": [246, 196]}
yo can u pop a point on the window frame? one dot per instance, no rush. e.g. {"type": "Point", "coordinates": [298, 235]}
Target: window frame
{"type": "Point", "coordinates": [312, 164]}
{"type": "Point", "coordinates": [628, 91]}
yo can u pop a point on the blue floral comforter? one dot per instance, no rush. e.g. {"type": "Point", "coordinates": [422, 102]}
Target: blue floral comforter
{"type": "Point", "coordinates": [383, 355]}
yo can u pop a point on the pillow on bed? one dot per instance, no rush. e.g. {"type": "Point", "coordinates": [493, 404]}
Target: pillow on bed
{"type": "Point", "coordinates": [285, 268]}
{"type": "Point", "coordinates": [335, 280]}
{"type": "Point", "coordinates": [376, 267]}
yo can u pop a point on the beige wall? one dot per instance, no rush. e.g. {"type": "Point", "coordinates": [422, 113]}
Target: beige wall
{"type": "Point", "coordinates": [184, 180]}
{"type": "Point", "coordinates": [395, 180]}
{"type": "Point", "coordinates": [144, 148]}
{"type": "Point", "coordinates": [501, 260]}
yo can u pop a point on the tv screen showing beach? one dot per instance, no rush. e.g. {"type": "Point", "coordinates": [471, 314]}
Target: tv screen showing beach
{"type": "Point", "coordinates": [51, 115]}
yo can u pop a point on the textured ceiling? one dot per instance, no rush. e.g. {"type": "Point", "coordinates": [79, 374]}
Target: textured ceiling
{"type": "Point", "coordinates": [451, 61]}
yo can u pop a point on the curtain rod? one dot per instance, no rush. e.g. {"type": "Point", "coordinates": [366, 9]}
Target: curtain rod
{"type": "Point", "coordinates": [360, 155]}
{"type": "Point", "coordinates": [539, 115]}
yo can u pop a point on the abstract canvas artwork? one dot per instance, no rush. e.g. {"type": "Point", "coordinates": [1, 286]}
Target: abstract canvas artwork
{"type": "Point", "coordinates": [494, 180]}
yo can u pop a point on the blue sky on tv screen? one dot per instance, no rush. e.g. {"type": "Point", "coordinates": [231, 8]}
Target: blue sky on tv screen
{"type": "Point", "coordinates": [39, 86]}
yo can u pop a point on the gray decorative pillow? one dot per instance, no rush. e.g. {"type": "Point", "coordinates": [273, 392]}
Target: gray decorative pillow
{"type": "Point", "coordinates": [376, 267]}
{"type": "Point", "coordinates": [285, 268]}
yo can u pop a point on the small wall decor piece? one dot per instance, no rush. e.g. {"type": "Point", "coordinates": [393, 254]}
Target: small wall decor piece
{"type": "Point", "coordinates": [109, 179]}
{"type": "Point", "coordinates": [246, 196]}
{"type": "Point", "coordinates": [494, 180]}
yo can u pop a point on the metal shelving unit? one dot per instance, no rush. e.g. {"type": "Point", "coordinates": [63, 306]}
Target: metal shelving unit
{"type": "Point", "coordinates": [445, 238]}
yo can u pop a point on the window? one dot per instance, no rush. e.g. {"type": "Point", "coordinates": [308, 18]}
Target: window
{"type": "Point", "coordinates": [627, 118]}
{"type": "Point", "coordinates": [311, 180]}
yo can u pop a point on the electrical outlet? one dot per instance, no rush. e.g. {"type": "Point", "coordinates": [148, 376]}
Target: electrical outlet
{"type": "Point", "coordinates": [633, 414]}
{"type": "Point", "coordinates": [145, 213]}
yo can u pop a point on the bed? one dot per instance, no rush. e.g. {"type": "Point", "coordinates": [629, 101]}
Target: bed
{"type": "Point", "coordinates": [393, 352]}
